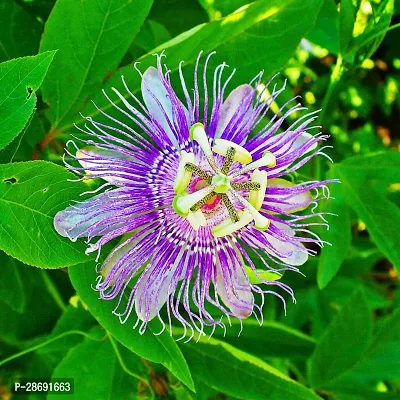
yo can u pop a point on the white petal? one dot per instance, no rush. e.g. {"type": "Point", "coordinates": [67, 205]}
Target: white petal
{"type": "Point", "coordinates": [291, 203]}
{"type": "Point", "coordinates": [240, 301]}
{"type": "Point", "coordinates": [289, 253]}
{"type": "Point", "coordinates": [150, 297]}
{"type": "Point", "coordinates": [103, 162]}
{"type": "Point", "coordinates": [75, 220]}
{"type": "Point", "coordinates": [230, 107]}
{"type": "Point", "coordinates": [152, 89]}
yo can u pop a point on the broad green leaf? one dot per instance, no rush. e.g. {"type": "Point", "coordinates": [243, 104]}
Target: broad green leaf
{"type": "Point", "coordinates": [381, 216]}
{"type": "Point", "coordinates": [220, 8]}
{"type": "Point", "coordinates": [96, 371]}
{"type": "Point", "coordinates": [271, 339]}
{"type": "Point", "coordinates": [22, 148]}
{"type": "Point", "coordinates": [347, 19]}
{"type": "Point", "coordinates": [73, 318]}
{"type": "Point", "coordinates": [151, 35]}
{"type": "Point", "coordinates": [178, 16]}
{"type": "Point", "coordinates": [239, 374]}
{"type": "Point", "coordinates": [157, 348]}
{"type": "Point", "coordinates": [381, 360]}
{"type": "Point", "coordinates": [343, 343]}
{"type": "Point", "coordinates": [19, 80]}
{"type": "Point", "coordinates": [269, 28]}
{"type": "Point", "coordinates": [357, 392]}
{"type": "Point", "coordinates": [19, 32]}
{"type": "Point", "coordinates": [325, 33]}
{"type": "Point", "coordinates": [31, 193]}
{"type": "Point", "coordinates": [38, 317]}
{"type": "Point", "coordinates": [383, 166]}
{"type": "Point", "coordinates": [11, 283]}
{"type": "Point", "coordinates": [338, 235]}
{"type": "Point", "coordinates": [92, 37]}
{"type": "Point", "coordinates": [364, 45]}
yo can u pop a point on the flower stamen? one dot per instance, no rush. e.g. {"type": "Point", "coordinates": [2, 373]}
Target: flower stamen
{"type": "Point", "coordinates": [199, 172]}
{"type": "Point", "coordinates": [267, 160]}
{"type": "Point", "coordinates": [230, 154]}
{"type": "Point", "coordinates": [203, 201]}
{"type": "Point", "coordinates": [230, 207]}
{"type": "Point", "coordinates": [198, 134]}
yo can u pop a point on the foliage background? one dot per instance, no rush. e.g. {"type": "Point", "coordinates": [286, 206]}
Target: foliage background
{"type": "Point", "coordinates": [342, 338]}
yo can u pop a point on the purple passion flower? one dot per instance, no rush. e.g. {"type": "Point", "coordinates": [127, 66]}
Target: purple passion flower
{"type": "Point", "coordinates": [196, 188]}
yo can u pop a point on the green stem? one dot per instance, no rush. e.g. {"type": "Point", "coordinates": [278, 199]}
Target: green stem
{"type": "Point", "coordinates": [43, 344]}
{"type": "Point", "coordinates": [126, 369]}
{"type": "Point", "coordinates": [52, 288]}
{"type": "Point", "coordinates": [331, 93]}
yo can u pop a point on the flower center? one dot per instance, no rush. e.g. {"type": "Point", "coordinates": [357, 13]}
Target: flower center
{"type": "Point", "coordinates": [210, 188]}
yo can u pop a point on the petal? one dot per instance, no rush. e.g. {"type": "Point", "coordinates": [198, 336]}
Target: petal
{"type": "Point", "coordinates": [85, 219]}
{"type": "Point", "coordinates": [152, 291]}
{"type": "Point", "coordinates": [234, 289]}
{"type": "Point", "coordinates": [103, 164]}
{"type": "Point", "coordinates": [286, 202]}
{"type": "Point", "coordinates": [231, 106]}
{"type": "Point", "coordinates": [158, 103]}
{"type": "Point", "coordinates": [292, 254]}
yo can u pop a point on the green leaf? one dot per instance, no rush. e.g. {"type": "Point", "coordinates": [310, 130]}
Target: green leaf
{"type": "Point", "coordinates": [343, 343]}
{"type": "Point", "coordinates": [326, 30]}
{"type": "Point", "coordinates": [16, 327]}
{"type": "Point", "coordinates": [73, 318]}
{"type": "Point", "coordinates": [271, 339]}
{"type": "Point", "coordinates": [19, 79]}
{"type": "Point", "coordinates": [355, 392]}
{"type": "Point", "coordinates": [347, 19]}
{"type": "Point", "coordinates": [157, 348]}
{"type": "Point", "coordinates": [381, 216]}
{"type": "Point", "coordinates": [19, 32]}
{"type": "Point", "coordinates": [384, 166]}
{"type": "Point", "coordinates": [11, 283]}
{"type": "Point", "coordinates": [269, 28]}
{"type": "Point", "coordinates": [151, 35]}
{"type": "Point", "coordinates": [31, 193]}
{"type": "Point", "coordinates": [381, 360]}
{"type": "Point", "coordinates": [339, 235]}
{"type": "Point", "coordinates": [96, 372]}
{"type": "Point", "coordinates": [23, 146]}
{"type": "Point", "coordinates": [92, 37]}
{"type": "Point", "coordinates": [178, 16]}
{"type": "Point", "coordinates": [364, 45]}
{"type": "Point", "coordinates": [239, 374]}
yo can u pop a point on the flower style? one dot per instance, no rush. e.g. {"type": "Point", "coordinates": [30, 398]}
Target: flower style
{"type": "Point", "coordinates": [195, 189]}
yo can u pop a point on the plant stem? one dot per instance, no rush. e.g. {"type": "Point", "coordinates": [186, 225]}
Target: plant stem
{"type": "Point", "coordinates": [52, 288]}
{"type": "Point", "coordinates": [45, 343]}
{"type": "Point", "coordinates": [125, 368]}
{"type": "Point", "coordinates": [331, 93]}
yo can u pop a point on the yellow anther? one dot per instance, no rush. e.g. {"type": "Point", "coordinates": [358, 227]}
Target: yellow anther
{"type": "Point", "coordinates": [196, 219]}
{"type": "Point", "coordinates": [267, 160]}
{"type": "Point", "coordinates": [241, 154]}
{"type": "Point", "coordinates": [260, 222]}
{"type": "Point", "coordinates": [256, 197]}
{"type": "Point", "coordinates": [227, 227]}
{"type": "Point", "coordinates": [183, 176]}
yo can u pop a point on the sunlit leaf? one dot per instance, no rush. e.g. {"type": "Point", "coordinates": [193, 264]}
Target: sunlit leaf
{"type": "Point", "coordinates": [158, 348]}
{"type": "Point", "coordinates": [343, 343]}
{"type": "Point", "coordinates": [31, 193]}
{"type": "Point", "coordinates": [19, 80]}
{"type": "Point", "coordinates": [99, 33]}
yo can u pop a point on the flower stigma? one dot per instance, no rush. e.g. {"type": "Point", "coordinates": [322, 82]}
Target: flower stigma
{"type": "Point", "coordinates": [213, 189]}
